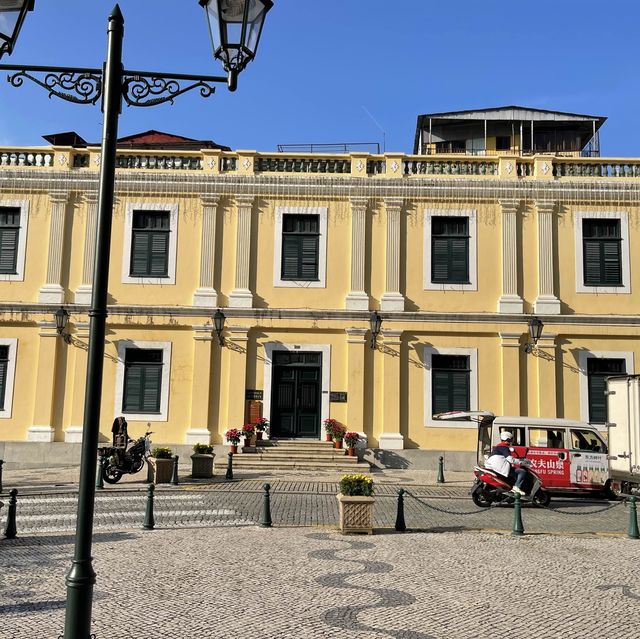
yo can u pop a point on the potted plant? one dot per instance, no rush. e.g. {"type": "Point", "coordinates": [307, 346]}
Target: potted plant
{"type": "Point", "coordinates": [329, 425]}
{"type": "Point", "coordinates": [262, 423]}
{"type": "Point", "coordinates": [233, 437]}
{"type": "Point", "coordinates": [202, 461]}
{"type": "Point", "coordinates": [248, 431]}
{"type": "Point", "coordinates": [338, 435]}
{"type": "Point", "coordinates": [160, 465]}
{"type": "Point", "coordinates": [351, 439]}
{"type": "Point", "coordinates": [356, 504]}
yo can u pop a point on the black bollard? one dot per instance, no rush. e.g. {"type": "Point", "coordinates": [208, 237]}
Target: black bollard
{"type": "Point", "coordinates": [265, 519]}
{"type": "Point", "coordinates": [174, 474]}
{"type": "Point", "coordinates": [149, 521]}
{"type": "Point", "coordinates": [400, 525]}
{"type": "Point", "coordinates": [229, 474]}
{"type": "Point", "coordinates": [99, 480]}
{"type": "Point", "coordinates": [440, 477]}
{"type": "Point", "coordinates": [633, 520]}
{"type": "Point", "coordinates": [1, 462]}
{"type": "Point", "coordinates": [518, 528]}
{"type": "Point", "coordinates": [10, 530]}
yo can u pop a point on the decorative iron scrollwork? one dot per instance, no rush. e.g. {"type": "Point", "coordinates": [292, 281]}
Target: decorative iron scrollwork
{"type": "Point", "coordinates": [81, 87]}
{"type": "Point", "coordinates": [144, 91]}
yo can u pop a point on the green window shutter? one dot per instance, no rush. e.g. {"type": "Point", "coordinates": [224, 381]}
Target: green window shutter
{"type": "Point", "coordinates": [290, 257]}
{"type": "Point", "coordinates": [151, 389]}
{"type": "Point", "coordinates": [132, 389]}
{"type": "Point", "coordinates": [450, 383]}
{"type": "Point", "coordinates": [8, 250]}
{"type": "Point", "coordinates": [450, 250]}
{"type": "Point", "coordinates": [140, 253]}
{"type": "Point", "coordinates": [612, 263]}
{"type": "Point", "coordinates": [142, 381]}
{"type": "Point", "coordinates": [439, 260]}
{"type": "Point", "coordinates": [592, 263]}
{"type": "Point", "coordinates": [150, 244]}
{"type": "Point", "coordinates": [300, 247]}
{"type": "Point", "coordinates": [309, 257]}
{"type": "Point", "coordinates": [159, 257]}
{"type": "Point", "coordinates": [459, 260]}
{"type": "Point", "coordinates": [4, 365]}
{"type": "Point", "coordinates": [602, 249]}
{"type": "Point", "coordinates": [598, 369]}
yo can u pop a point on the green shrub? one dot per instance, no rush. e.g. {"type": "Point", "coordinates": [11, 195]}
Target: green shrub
{"type": "Point", "coordinates": [161, 453]}
{"type": "Point", "coordinates": [202, 449]}
{"type": "Point", "coordinates": [356, 485]}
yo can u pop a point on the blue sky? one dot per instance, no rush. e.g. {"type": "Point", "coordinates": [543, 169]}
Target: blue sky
{"type": "Point", "coordinates": [324, 65]}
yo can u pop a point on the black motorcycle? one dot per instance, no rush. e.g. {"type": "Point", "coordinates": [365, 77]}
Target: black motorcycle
{"type": "Point", "coordinates": [121, 461]}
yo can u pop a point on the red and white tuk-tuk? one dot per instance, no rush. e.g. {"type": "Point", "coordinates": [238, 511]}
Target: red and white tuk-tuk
{"type": "Point", "coordinates": [569, 456]}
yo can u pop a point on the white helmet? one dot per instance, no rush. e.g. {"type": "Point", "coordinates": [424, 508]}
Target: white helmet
{"type": "Point", "coordinates": [505, 435]}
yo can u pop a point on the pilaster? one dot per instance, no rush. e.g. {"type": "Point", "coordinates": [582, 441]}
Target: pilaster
{"type": "Point", "coordinates": [84, 291]}
{"type": "Point", "coordinates": [206, 294]}
{"type": "Point", "coordinates": [510, 351]}
{"type": "Point", "coordinates": [241, 296]}
{"type": "Point", "coordinates": [198, 432]}
{"type": "Point", "coordinates": [42, 429]}
{"type": "Point", "coordinates": [356, 346]}
{"type": "Point", "coordinates": [357, 299]}
{"type": "Point", "coordinates": [545, 357]}
{"type": "Point", "coordinates": [80, 350]}
{"type": "Point", "coordinates": [52, 291]}
{"type": "Point", "coordinates": [391, 438]}
{"type": "Point", "coordinates": [393, 300]}
{"type": "Point", "coordinates": [546, 303]}
{"type": "Point", "coordinates": [510, 301]}
{"type": "Point", "coordinates": [237, 342]}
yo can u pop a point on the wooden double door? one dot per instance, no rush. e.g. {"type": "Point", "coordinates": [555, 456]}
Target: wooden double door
{"type": "Point", "coordinates": [295, 399]}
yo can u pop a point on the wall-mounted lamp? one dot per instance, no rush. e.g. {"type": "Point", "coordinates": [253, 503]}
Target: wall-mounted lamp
{"type": "Point", "coordinates": [375, 322]}
{"type": "Point", "coordinates": [62, 318]}
{"type": "Point", "coordinates": [218, 324]}
{"type": "Point", "coordinates": [535, 332]}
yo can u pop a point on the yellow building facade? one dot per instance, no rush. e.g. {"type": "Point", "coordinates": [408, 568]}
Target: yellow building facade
{"type": "Point", "coordinates": [455, 253]}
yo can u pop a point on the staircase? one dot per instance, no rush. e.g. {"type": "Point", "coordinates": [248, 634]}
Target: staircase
{"type": "Point", "coordinates": [274, 455]}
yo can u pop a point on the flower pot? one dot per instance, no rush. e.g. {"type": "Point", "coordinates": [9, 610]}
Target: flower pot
{"type": "Point", "coordinates": [337, 443]}
{"type": "Point", "coordinates": [259, 436]}
{"type": "Point", "coordinates": [202, 465]}
{"type": "Point", "coordinates": [328, 437]}
{"type": "Point", "coordinates": [351, 451]}
{"type": "Point", "coordinates": [233, 448]}
{"type": "Point", "coordinates": [356, 514]}
{"type": "Point", "coordinates": [159, 470]}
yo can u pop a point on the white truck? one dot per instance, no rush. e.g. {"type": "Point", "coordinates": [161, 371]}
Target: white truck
{"type": "Point", "coordinates": [623, 401]}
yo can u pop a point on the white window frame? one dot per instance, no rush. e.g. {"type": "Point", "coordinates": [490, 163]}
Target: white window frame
{"type": "Point", "coordinates": [429, 214]}
{"type": "Point", "coordinates": [12, 343]}
{"type": "Point", "coordinates": [428, 353]}
{"type": "Point", "coordinates": [163, 415]}
{"type": "Point", "coordinates": [271, 347]}
{"type": "Point", "coordinates": [172, 209]}
{"type": "Point", "coordinates": [623, 216]}
{"type": "Point", "coordinates": [583, 356]}
{"type": "Point", "coordinates": [321, 282]}
{"type": "Point", "coordinates": [23, 205]}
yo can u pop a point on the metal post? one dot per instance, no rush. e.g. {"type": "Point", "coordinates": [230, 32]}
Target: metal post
{"type": "Point", "coordinates": [149, 521]}
{"type": "Point", "coordinates": [1, 463]}
{"type": "Point", "coordinates": [518, 528]}
{"type": "Point", "coordinates": [265, 519]}
{"type": "Point", "coordinates": [10, 529]}
{"type": "Point", "coordinates": [99, 480]}
{"type": "Point", "coordinates": [440, 478]}
{"type": "Point", "coordinates": [229, 474]}
{"type": "Point", "coordinates": [174, 474]}
{"type": "Point", "coordinates": [400, 525]}
{"type": "Point", "coordinates": [81, 577]}
{"type": "Point", "coordinates": [633, 519]}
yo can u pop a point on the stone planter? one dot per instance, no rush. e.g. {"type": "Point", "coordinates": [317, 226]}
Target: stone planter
{"type": "Point", "coordinates": [356, 514]}
{"type": "Point", "coordinates": [202, 465]}
{"type": "Point", "coordinates": [159, 470]}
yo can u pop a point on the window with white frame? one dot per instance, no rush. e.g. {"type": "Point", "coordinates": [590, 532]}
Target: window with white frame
{"type": "Point", "coordinates": [142, 380]}
{"type": "Point", "coordinates": [602, 252]}
{"type": "Point", "coordinates": [8, 348]}
{"type": "Point", "coordinates": [450, 250]}
{"type": "Point", "coordinates": [450, 383]}
{"type": "Point", "coordinates": [595, 367]}
{"type": "Point", "coordinates": [150, 244]}
{"type": "Point", "coordinates": [300, 247]}
{"type": "Point", "coordinates": [14, 218]}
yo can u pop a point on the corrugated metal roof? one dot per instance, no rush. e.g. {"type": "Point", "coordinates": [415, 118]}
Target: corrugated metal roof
{"type": "Point", "coordinates": [514, 113]}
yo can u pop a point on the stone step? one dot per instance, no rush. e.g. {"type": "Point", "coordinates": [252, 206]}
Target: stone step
{"type": "Point", "coordinates": [247, 462]}
{"type": "Point", "coordinates": [293, 455]}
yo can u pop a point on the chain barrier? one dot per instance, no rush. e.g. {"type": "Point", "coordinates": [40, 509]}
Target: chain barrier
{"type": "Point", "coordinates": [591, 512]}
{"type": "Point", "coordinates": [451, 512]}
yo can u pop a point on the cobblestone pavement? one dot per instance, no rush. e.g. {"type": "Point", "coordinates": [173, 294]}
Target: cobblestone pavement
{"type": "Point", "coordinates": [309, 504]}
{"type": "Point", "coordinates": [305, 583]}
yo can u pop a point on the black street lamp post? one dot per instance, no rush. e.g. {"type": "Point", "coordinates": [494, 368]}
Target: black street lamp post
{"type": "Point", "coordinates": [138, 88]}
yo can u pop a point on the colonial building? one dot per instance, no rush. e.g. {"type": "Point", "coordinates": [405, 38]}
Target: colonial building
{"type": "Point", "coordinates": [499, 216]}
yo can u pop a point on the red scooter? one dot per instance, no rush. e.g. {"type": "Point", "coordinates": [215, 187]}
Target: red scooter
{"type": "Point", "coordinates": [490, 487]}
